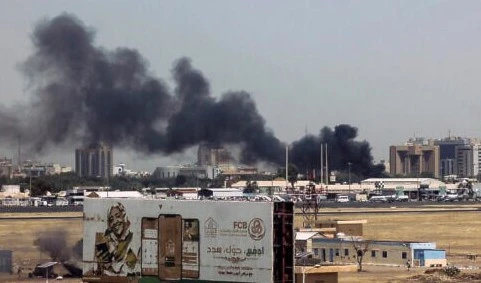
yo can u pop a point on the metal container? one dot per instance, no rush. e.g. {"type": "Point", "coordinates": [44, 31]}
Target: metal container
{"type": "Point", "coordinates": [5, 261]}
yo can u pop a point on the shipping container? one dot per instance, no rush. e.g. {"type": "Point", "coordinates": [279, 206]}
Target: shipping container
{"type": "Point", "coordinates": [5, 261]}
{"type": "Point", "coordinates": [151, 240]}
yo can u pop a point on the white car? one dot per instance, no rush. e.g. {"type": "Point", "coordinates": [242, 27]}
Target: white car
{"type": "Point", "coordinates": [451, 197]}
{"type": "Point", "coordinates": [378, 199]}
{"type": "Point", "coordinates": [342, 199]}
{"type": "Point", "coordinates": [402, 198]}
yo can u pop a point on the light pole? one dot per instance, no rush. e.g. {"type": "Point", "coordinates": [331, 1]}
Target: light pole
{"type": "Point", "coordinates": [30, 177]}
{"type": "Point", "coordinates": [287, 170]}
{"type": "Point", "coordinates": [349, 175]}
{"type": "Point", "coordinates": [304, 270]}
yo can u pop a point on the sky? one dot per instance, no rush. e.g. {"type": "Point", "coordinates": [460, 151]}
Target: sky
{"type": "Point", "coordinates": [393, 69]}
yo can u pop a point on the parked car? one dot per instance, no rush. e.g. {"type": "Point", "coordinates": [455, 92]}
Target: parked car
{"type": "Point", "coordinates": [451, 197]}
{"type": "Point", "coordinates": [402, 198]}
{"type": "Point", "coordinates": [342, 199]}
{"type": "Point", "coordinates": [378, 199]}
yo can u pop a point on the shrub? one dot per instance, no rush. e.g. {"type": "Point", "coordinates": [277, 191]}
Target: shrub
{"type": "Point", "coordinates": [451, 270]}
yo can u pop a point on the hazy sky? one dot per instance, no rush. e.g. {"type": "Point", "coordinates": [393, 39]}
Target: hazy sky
{"type": "Point", "coordinates": [393, 69]}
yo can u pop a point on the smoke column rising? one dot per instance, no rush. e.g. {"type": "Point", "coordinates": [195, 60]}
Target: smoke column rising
{"type": "Point", "coordinates": [83, 92]}
{"type": "Point", "coordinates": [342, 149]}
{"type": "Point", "coordinates": [55, 244]}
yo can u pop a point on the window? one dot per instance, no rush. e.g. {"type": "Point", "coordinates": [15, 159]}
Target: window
{"type": "Point", "coordinates": [337, 252]}
{"type": "Point", "coordinates": [404, 255]}
{"type": "Point", "coordinates": [316, 252]}
{"type": "Point", "coordinates": [384, 254]}
{"type": "Point", "coordinates": [346, 252]}
{"type": "Point", "coordinates": [373, 253]}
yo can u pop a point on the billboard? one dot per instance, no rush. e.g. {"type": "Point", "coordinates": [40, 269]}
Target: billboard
{"type": "Point", "coordinates": [221, 241]}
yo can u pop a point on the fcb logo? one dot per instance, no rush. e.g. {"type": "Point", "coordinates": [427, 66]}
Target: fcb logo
{"type": "Point", "coordinates": [257, 230]}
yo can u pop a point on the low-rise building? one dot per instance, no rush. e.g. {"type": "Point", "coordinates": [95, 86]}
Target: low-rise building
{"type": "Point", "coordinates": [304, 241]}
{"type": "Point", "coordinates": [76, 195]}
{"type": "Point", "coordinates": [397, 253]}
{"type": "Point", "coordinates": [168, 172]}
{"type": "Point", "coordinates": [10, 195]}
{"type": "Point", "coordinates": [116, 194]}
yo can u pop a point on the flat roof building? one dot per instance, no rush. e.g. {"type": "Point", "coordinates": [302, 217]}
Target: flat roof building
{"type": "Point", "coordinates": [397, 253]}
{"type": "Point", "coordinates": [414, 160]}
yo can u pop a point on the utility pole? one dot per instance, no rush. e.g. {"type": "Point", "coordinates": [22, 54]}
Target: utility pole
{"type": "Point", "coordinates": [327, 168]}
{"type": "Point", "coordinates": [322, 164]}
{"type": "Point", "coordinates": [30, 177]}
{"type": "Point", "coordinates": [287, 170]}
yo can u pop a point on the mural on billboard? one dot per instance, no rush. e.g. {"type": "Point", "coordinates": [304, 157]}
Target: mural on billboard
{"type": "Point", "coordinates": [113, 248]}
{"type": "Point", "coordinates": [190, 248]}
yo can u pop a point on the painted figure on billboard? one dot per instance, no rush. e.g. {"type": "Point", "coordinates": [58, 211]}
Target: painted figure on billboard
{"type": "Point", "coordinates": [191, 230]}
{"type": "Point", "coordinates": [113, 250]}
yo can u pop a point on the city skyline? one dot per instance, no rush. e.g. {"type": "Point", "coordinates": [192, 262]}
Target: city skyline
{"type": "Point", "coordinates": [392, 70]}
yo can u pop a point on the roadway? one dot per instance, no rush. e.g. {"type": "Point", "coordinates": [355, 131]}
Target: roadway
{"type": "Point", "coordinates": [393, 207]}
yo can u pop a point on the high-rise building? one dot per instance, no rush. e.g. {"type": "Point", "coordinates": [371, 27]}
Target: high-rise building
{"type": "Point", "coordinates": [447, 154]}
{"type": "Point", "coordinates": [414, 160]}
{"type": "Point", "coordinates": [95, 160]}
{"type": "Point", "coordinates": [464, 160]}
{"type": "Point", "coordinates": [476, 158]}
{"type": "Point", "coordinates": [468, 159]}
{"type": "Point", "coordinates": [209, 155]}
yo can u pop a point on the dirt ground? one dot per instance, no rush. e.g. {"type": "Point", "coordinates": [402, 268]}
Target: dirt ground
{"type": "Point", "coordinates": [457, 232]}
{"type": "Point", "coordinates": [15, 279]}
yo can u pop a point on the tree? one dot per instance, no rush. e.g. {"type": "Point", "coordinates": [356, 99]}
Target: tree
{"type": "Point", "coordinates": [361, 248]}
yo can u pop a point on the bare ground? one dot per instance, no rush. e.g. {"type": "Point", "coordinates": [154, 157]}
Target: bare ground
{"type": "Point", "coordinates": [457, 232]}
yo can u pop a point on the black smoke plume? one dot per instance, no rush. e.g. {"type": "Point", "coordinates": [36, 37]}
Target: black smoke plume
{"type": "Point", "coordinates": [342, 149]}
{"type": "Point", "coordinates": [54, 243]}
{"type": "Point", "coordinates": [83, 92]}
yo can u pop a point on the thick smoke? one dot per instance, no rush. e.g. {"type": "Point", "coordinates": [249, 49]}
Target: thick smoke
{"type": "Point", "coordinates": [342, 149]}
{"type": "Point", "coordinates": [54, 243]}
{"type": "Point", "coordinates": [82, 92]}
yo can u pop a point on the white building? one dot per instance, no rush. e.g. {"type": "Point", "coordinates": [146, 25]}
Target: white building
{"type": "Point", "coordinates": [11, 189]}
{"type": "Point", "coordinates": [115, 194]}
{"type": "Point", "coordinates": [202, 172]}
{"type": "Point", "coordinates": [76, 195]}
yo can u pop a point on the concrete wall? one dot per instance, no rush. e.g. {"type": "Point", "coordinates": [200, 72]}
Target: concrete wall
{"type": "Point", "coordinates": [435, 262]}
{"type": "Point", "coordinates": [397, 255]}
{"type": "Point", "coordinates": [378, 252]}
{"type": "Point", "coordinates": [344, 252]}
